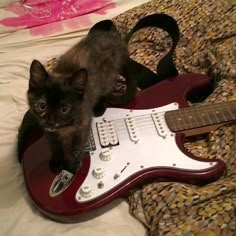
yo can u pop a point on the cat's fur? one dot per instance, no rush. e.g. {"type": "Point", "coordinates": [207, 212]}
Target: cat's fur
{"type": "Point", "coordinates": [63, 101]}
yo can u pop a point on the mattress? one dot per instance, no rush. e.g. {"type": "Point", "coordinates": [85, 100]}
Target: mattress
{"type": "Point", "coordinates": [27, 33]}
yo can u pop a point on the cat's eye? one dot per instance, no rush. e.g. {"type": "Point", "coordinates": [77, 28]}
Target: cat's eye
{"type": "Point", "coordinates": [42, 106]}
{"type": "Point", "coordinates": [65, 109]}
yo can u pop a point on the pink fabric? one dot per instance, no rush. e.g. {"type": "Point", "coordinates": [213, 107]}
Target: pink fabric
{"type": "Point", "coordinates": [33, 13]}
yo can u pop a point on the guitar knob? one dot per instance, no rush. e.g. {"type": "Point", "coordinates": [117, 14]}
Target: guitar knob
{"type": "Point", "coordinates": [86, 191]}
{"type": "Point", "coordinates": [105, 154]}
{"type": "Point", "coordinates": [98, 172]}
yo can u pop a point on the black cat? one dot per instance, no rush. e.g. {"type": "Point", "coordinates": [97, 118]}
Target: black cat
{"type": "Point", "coordinates": [64, 101]}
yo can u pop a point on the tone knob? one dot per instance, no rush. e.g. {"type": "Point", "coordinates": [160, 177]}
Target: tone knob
{"type": "Point", "coordinates": [86, 191]}
{"type": "Point", "coordinates": [105, 154]}
{"type": "Point", "coordinates": [98, 172]}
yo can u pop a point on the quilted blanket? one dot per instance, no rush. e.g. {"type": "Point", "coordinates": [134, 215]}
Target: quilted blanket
{"type": "Point", "coordinates": [207, 45]}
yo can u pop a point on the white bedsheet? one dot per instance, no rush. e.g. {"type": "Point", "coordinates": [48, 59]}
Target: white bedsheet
{"type": "Point", "coordinates": [17, 49]}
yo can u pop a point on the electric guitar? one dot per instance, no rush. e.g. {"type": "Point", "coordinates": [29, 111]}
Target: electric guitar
{"type": "Point", "coordinates": [127, 146]}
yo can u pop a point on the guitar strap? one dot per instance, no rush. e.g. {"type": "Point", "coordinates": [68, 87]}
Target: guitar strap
{"type": "Point", "coordinates": [166, 67]}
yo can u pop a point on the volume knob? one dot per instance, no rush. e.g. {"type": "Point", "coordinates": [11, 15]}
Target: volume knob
{"type": "Point", "coordinates": [86, 191]}
{"type": "Point", "coordinates": [98, 172]}
{"type": "Point", "coordinates": [105, 154]}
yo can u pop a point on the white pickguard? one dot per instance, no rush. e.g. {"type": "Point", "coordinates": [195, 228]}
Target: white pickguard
{"type": "Point", "coordinates": [152, 145]}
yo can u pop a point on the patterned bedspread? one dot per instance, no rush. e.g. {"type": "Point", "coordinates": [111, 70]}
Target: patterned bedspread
{"type": "Point", "coordinates": [207, 45]}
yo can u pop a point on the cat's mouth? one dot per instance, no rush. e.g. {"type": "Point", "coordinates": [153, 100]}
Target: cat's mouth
{"type": "Point", "coordinates": [56, 127]}
{"type": "Point", "coordinates": [51, 130]}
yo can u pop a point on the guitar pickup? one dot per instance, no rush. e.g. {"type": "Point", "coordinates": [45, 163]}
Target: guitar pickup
{"type": "Point", "coordinates": [107, 133]}
{"type": "Point", "coordinates": [159, 121]}
{"type": "Point", "coordinates": [132, 129]}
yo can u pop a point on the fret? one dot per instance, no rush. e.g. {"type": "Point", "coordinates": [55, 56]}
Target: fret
{"type": "Point", "coordinates": [176, 120]}
{"type": "Point", "coordinates": [204, 115]}
{"type": "Point", "coordinates": [181, 120]}
{"type": "Point", "coordinates": [231, 110]}
{"type": "Point", "coordinates": [199, 116]}
{"type": "Point", "coordinates": [232, 116]}
{"type": "Point", "coordinates": [223, 115]}
{"type": "Point", "coordinates": [227, 114]}
{"type": "Point", "coordinates": [214, 117]}
{"type": "Point", "coordinates": [173, 122]}
{"type": "Point", "coordinates": [198, 122]}
{"type": "Point", "coordinates": [202, 119]}
{"type": "Point", "coordinates": [191, 119]}
{"type": "Point", "coordinates": [216, 113]}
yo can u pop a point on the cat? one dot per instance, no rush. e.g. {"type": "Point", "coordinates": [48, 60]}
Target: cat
{"type": "Point", "coordinates": [64, 100]}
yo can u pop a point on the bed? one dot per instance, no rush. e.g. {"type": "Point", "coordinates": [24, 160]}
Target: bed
{"type": "Point", "coordinates": [43, 31]}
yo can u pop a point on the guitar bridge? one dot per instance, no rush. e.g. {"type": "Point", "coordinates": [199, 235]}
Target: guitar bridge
{"type": "Point", "coordinates": [107, 133]}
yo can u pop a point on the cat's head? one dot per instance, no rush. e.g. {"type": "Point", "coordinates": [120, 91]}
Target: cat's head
{"type": "Point", "coordinates": [56, 98]}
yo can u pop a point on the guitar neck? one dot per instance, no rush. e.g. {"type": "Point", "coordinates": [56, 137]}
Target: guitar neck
{"type": "Point", "coordinates": [201, 116]}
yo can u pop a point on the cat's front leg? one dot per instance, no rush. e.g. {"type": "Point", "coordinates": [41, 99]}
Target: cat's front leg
{"type": "Point", "coordinates": [79, 141]}
{"type": "Point", "coordinates": [78, 151]}
{"type": "Point", "coordinates": [100, 107]}
{"type": "Point", "coordinates": [75, 161]}
{"type": "Point", "coordinates": [70, 142]}
{"type": "Point", "coordinates": [73, 158]}
{"type": "Point", "coordinates": [57, 152]}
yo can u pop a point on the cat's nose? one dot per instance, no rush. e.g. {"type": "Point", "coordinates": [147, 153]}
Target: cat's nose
{"type": "Point", "coordinates": [50, 125]}
{"type": "Point", "coordinates": [51, 122]}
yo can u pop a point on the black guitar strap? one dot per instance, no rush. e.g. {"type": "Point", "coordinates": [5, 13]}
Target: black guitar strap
{"type": "Point", "coordinates": [166, 67]}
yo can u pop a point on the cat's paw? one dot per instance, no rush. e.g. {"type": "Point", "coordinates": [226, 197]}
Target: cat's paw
{"type": "Point", "coordinates": [99, 111]}
{"type": "Point", "coordinates": [74, 164]}
{"type": "Point", "coordinates": [100, 107]}
{"type": "Point", "coordinates": [72, 168]}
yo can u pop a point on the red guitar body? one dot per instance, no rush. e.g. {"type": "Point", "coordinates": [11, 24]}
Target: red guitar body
{"type": "Point", "coordinates": [64, 207]}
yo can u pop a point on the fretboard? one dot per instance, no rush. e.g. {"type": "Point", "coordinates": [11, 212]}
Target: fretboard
{"type": "Point", "coordinates": [200, 116]}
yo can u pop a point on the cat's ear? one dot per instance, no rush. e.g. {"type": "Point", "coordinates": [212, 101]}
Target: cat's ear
{"type": "Point", "coordinates": [79, 80]}
{"type": "Point", "coordinates": [38, 74]}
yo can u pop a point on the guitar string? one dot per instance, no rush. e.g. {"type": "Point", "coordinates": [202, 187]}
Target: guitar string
{"type": "Point", "coordinates": [122, 131]}
{"type": "Point", "coordinates": [122, 128]}
{"type": "Point", "coordinates": [123, 134]}
{"type": "Point", "coordinates": [190, 121]}
{"type": "Point", "coordinates": [146, 121]}
{"type": "Point", "coordinates": [174, 115]}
